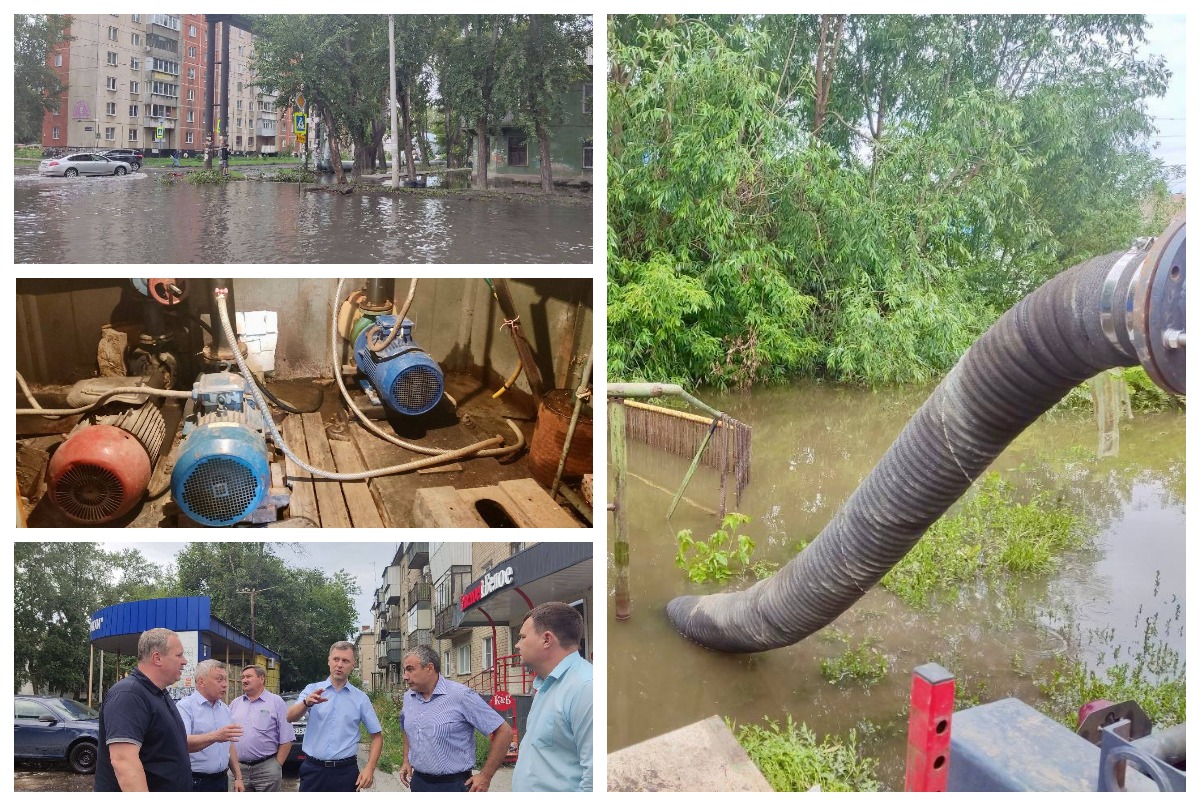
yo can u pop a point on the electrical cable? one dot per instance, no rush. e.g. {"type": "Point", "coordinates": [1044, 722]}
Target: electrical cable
{"type": "Point", "coordinates": [508, 384]}
{"type": "Point", "coordinates": [375, 328]}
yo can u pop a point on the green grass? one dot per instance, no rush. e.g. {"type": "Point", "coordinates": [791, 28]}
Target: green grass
{"type": "Point", "coordinates": [864, 664]}
{"type": "Point", "coordinates": [393, 738]}
{"type": "Point", "coordinates": [28, 152]}
{"type": "Point", "coordinates": [792, 760]}
{"type": "Point", "coordinates": [993, 537]}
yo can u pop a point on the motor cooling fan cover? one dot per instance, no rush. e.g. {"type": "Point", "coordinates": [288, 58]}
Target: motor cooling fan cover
{"type": "Point", "coordinates": [98, 474]}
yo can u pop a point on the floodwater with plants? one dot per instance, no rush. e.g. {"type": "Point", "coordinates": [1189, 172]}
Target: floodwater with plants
{"type": "Point", "coordinates": [1057, 573]}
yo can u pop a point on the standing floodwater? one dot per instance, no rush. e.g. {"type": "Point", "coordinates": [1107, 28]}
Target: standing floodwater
{"type": "Point", "coordinates": [140, 219]}
{"type": "Point", "coordinates": [812, 445]}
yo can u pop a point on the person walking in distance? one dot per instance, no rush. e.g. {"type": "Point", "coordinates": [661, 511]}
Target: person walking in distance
{"type": "Point", "coordinates": [439, 720]}
{"type": "Point", "coordinates": [267, 735]}
{"type": "Point", "coordinates": [143, 744]}
{"type": "Point", "coordinates": [335, 710]}
{"type": "Point", "coordinates": [211, 730]}
{"type": "Point", "coordinates": [556, 748]}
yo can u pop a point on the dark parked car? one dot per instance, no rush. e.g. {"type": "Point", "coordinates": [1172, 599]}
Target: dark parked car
{"type": "Point", "coordinates": [296, 754]}
{"type": "Point", "coordinates": [54, 728]}
{"type": "Point", "coordinates": [134, 158]}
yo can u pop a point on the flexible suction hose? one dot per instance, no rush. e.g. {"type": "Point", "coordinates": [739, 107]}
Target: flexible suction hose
{"type": "Point", "coordinates": [1043, 347]}
{"type": "Point", "coordinates": [100, 401]}
{"type": "Point", "coordinates": [446, 456]}
{"type": "Point", "coordinates": [374, 331]}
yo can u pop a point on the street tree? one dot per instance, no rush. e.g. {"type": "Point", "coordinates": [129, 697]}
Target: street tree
{"type": "Point", "coordinates": [36, 87]}
{"type": "Point", "coordinates": [57, 588]}
{"type": "Point", "coordinates": [298, 612]}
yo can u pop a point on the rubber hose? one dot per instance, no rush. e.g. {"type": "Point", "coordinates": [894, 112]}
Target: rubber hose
{"type": "Point", "coordinates": [371, 333]}
{"type": "Point", "coordinates": [120, 390]}
{"type": "Point", "coordinates": [1046, 345]}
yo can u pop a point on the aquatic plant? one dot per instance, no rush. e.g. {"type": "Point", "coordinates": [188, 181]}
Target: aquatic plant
{"type": "Point", "coordinates": [864, 664]}
{"type": "Point", "coordinates": [213, 177]}
{"type": "Point", "coordinates": [792, 760]}
{"type": "Point", "coordinates": [991, 537]}
{"type": "Point", "coordinates": [714, 560]}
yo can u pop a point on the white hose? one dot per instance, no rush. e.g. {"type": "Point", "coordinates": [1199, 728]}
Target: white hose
{"type": "Point", "coordinates": [120, 390]}
{"type": "Point", "coordinates": [371, 333]}
{"type": "Point", "coordinates": [446, 456]}
{"type": "Point", "coordinates": [374, 429]}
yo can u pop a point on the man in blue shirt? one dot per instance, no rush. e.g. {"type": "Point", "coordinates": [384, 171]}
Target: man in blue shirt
{"type": "Point", "coordinates": [439, 720]}
{"type": "Point", "coordinates": [143, 745]}
{"type": "Point", "coordinates": [556, 748]}
{"type": "Point", "coordinates": [335, 710]}
{"type": "Point", "coordinates": [211, 731]}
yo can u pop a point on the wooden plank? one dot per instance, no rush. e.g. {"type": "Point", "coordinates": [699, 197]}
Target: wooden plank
{"type": "Point", "coordinates": [329, 492]}
{"type": "Point", "coordinates": [359, 500]}
{"type": "Point", "coordinates": [443, 507]}
{"type": "Point", "coordinates": [304, 500]}
{"type": "Point", "coordinates": [535, 504]}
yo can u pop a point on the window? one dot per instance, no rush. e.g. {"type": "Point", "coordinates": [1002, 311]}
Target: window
{"type": "Point", "coordinates": [239, 106]}
{"type": "Point", "coordinates": [133, 110]}
{"type": "Point", "coordinates": [517, 151]}
{"type": "Point", "coordinates": [135, 88]}
{"type": "Point", "coordinates": [167, 21]}
{"type": "Point", "coordinates": [187, 138]}
{"type": "Point", "coordinates": [446, 662]}
{"type": "Point", "coordinates": [587, 98]}
{"type": "Point", "coordinates": [110, 108]}
{"type": "Point", "coordinates": [163, 88]}
{"type": "Point", "coordinates": [191, 30]}
{"type": "Point", "coordinates": [54, 133]}
{"type": "Point", "coordinates": [191, 73]}
{"type": "Point", "coordinates": [135, 63]}
{"type": "Point", "coordinates": [164, 66]}
{"type": "Point", "coordinates": [241, 50]}
{"type": "Point", "coordinates": [133, 135]}
{"type": "Point", "coordinates": [160, 111]}
{"type": "Point", "coordinates": [135, 40]}
{"type": "Point", "coordinates": [110, 132]}
{"type": "Point", "coordinates": [112, 59]}
{"type": "Point", "coordinates": [112, 82]}
{"type": "Point", "coordinates": [135, 17]}
{"type": "Point", "coordinates": [191, 96]}
{"type": "Point", "coordinates": [112, 33]}
{"type": "Point", "coordinates": [464, 659]}
{"type": "Point", "coordinates": [239, 86]}
{"type": "Point", "coordinates": [191, 53]}
{"type": "Point", "coordinates": [58, 60]}
{"type": "Point", "coordinates": [587, 153]}
{"type": "Point", "coordinates": [56, 109]}
{"type": "Point", "coordinates": [191, 116]}
{"type": "Point", "coordinates": [488, 658]}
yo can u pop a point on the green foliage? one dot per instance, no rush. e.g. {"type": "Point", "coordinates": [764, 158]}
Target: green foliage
{"type": "Point", "coordinates": [27, 152]}
{"type": "Point", "coordinates": [719, 557]}
{"type": "Point", "coordinates": [778, 208]}
{"type": "Point", "coordinates": [1155, 677]}
{"type": "Point", "coordinates": [36, 88]}
{"type": "Point", "coordinates": [292, 175]}
{"type": "Point", "coordinates": [863, 664]}
{"type": "Point", "coordinates": [57, 587]}
{"type": "Point", "coordinates": [392, 757]}
{"type": "Point", "coordinates": [213, 177]}
{"type": "Point", "coordinates": [792, 760]}
{"type": "Point", "coordinates": [992, 536]}
{"type": "Point", "coordinates": [1145, 394]}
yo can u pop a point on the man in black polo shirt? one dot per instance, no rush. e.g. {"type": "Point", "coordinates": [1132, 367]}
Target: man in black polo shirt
{"type": "Point", "coordinates": [143, 744]}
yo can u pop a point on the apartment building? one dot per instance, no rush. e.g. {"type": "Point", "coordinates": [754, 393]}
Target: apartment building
{"type": "Point", "coordinates": [138, 81]}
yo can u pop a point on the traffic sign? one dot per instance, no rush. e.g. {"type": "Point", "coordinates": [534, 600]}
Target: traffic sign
{"type": "Point", "coordinates": [300, 123]}
{"type": "Point", "coordinates": [300, 100]}
{"type": "Point", "coordinates": [158, 135]}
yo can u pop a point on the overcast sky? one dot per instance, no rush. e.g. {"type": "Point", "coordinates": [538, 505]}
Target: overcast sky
{"type": "Point", "coordinates": [1165, 38]}
{"type": "Point", "coordinates": [364, 561]}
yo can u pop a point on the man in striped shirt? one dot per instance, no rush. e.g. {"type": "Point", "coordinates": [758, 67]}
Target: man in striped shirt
{"type": "Point", "coordinates": [439, 720]}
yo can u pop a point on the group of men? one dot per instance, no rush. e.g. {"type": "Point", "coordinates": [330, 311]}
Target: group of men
{"type": "Point", "coordinates": [150, 743]}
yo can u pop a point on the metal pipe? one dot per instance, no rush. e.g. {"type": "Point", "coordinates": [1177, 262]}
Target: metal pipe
{"type": "Point", "coordinates": [660, 390]}
{"type": "Point", "coordinates": [1169, 744]}
{"type": "Point", "coordinates": [379, 293]}
{"type": "Point", "coordinates": [617, 448]}
{"type": "Point", "coordinates": [580, 393]}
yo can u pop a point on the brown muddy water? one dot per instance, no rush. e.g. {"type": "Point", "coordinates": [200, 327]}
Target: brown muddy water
{"type": "Point", "coordinates": [136, 219]}
{"type": "Point", "coordinates": [812, 445]}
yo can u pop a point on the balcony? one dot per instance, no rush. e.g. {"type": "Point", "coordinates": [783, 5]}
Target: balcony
{"type": "Point", "coordinates": [382, 663]}
{"type": "Point", "coordinates": [418, 637]}
{"type": "Point", "coordinates": [443, 623]}
{"type": "Point", "coordinates": [395, 648]}
{"type": "Point", "coordinates": [416, 555]}
{"type": "Point", "coordinates": [166, 123]}
{"type": "Point", "coordinates": [420, 594]}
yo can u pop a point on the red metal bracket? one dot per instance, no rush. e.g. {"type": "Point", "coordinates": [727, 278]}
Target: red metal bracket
{"type": "Point", "coordinates": [930, 708]}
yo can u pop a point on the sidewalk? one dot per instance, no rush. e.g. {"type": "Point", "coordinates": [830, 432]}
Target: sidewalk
{"type": "Point", "coordinates": [390, 781]}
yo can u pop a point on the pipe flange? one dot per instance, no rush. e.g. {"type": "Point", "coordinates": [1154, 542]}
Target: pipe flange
{"type": "Point", "coordinates": [384, 307]}
{"type": "Point", "coordinates": [1158, 316]}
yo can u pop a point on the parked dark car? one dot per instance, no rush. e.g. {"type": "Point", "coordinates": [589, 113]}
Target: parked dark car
{"type": "Point", "coordinates": [296, 754]}
{"type": "Point", "coordinates": [55, 728]}
{"type": "Point", "coordinates": [134, 158]}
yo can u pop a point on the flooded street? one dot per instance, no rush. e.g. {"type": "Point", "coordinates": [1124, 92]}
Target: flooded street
{"type": "Point", "coordinates": [139, 219]}
{"type": "Point", "coordinates": [812, 445]}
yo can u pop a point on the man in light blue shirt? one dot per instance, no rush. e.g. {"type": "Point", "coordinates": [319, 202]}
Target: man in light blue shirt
{"type": "Point", "coordinates": [556, 749]}
{"type": "Point", "coordinates": [335, 710]}
{"type": "Point", "coordinates": [210, 730]}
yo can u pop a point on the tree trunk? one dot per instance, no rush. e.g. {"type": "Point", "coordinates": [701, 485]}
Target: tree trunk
{"type": "Point", "coordinates": [407, 128]}
{"type": "Point", "coordinates": [335, 153]}
{"type": "Point", "coordinates": [451, 138]}
{"type": "Point", "coordinates": [481, 153]}
{"type": "Point", "coordinates": [543, 138]}
{"type": "Point", "coordinates": [832, 29]}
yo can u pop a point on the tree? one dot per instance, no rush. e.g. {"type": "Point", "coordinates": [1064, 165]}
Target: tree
{"type": "Point", "coordinates": [57, 588]}
{"type": "Point", "coordinates": [299, 614]}
{"type": "Point", "coordinates": [36, 88]}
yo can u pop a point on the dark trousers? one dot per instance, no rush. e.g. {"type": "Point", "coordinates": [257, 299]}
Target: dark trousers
{"type": "Point", "coordinates": [218, 782]}
{"type": "Point", "coordinates": [317, 778]}
{"type": "Point", "coordinates": [440, 783]}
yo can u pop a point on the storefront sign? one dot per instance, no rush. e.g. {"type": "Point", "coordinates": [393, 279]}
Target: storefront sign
{"type": "Point", "coordinates": [488, 585]}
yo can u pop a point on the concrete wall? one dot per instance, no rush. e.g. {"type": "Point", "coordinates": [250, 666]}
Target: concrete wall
{"type": "Point", "coordinates": [457, 321]}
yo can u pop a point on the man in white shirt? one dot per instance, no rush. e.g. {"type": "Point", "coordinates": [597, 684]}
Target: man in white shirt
{"type": "Point", "coordinates": [210, 731]}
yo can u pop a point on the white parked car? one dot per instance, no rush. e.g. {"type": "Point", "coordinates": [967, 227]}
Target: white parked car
{"type": "Point", "coordinates": [83, 164]}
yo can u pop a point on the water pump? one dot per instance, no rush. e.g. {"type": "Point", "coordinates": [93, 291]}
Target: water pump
{"type": "Point", "coordinates": [223, 472]}
{"type": "Point", "coordinates": [403, 374]}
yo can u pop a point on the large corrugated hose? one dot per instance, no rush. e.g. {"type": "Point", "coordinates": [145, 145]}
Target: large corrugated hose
{"type": "Point", "coordinates": [1043, 347]}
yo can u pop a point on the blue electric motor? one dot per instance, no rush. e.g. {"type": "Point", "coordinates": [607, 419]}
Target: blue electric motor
{"type": "Point", "coordinates": [223, 470]}
{"type": "Point", "coordinates": [403, 374]}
